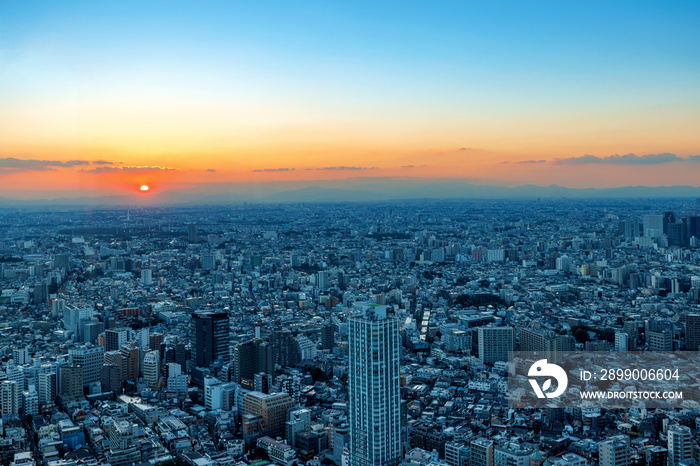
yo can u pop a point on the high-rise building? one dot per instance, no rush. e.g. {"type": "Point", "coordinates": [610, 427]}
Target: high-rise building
{"type": "Point", "coordinates": [72, 315]}
{"type": "Point", "coordinates": [151, 368]}
{"type": "Point", "coordinates": [9, 398]}
{"type": "Point", "coordinates": [622, 341]}
{"type": "Point", "coordinates": [653, 225]}
{"type": "Point", "coordinates": [192, 233]}
{"type": "Point", "coordinates": [146, 277]}
{"type": "Point", "coordinates": [252, 357]}
{"type": "Point", "coordinates": [155, 340]}
{"type": "Point", "coordinates": [47, 388]}
{"type": "Point", "coordinates": [692, 332]}
{"type": "Point", "coordinates": [20, 356]}
{"type": "Point", "coordinates": [130, 361]}
{"type": "Point", "coordinates": [374, 398]}
{"type": "Point", "coordinates": [271, 408]}
{"type": "Point", "coordinates": [545, 342]}
{"type": "Point", "coordinates": [287, 352]}
{"type": "Point", "coordinates": [115, 338]}
{"type": "Point", "coordinates": [71, 382]}
{"type": "Point", "coordinates": [660, 340]}
{"type": "Point", "coordinates": [328, 336]}
{"type": "Point", "coordinates": [263, 382]}
{"type": "Point", "coordinates": [30, 401]}
{"type": "Point", "coordinates": [680, 444]}
{"type": "Point", "coordinates": [614, 451]}
{"type": "Point", "coordinates": [91, 359]}
{"type": "Point", "coordinates": [211, 337]}
{"type": "Point", "coordinates": [110, 377]}
{"type": "Point", "coordinates": [494, 343]}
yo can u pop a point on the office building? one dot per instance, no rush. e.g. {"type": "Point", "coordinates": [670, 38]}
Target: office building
{"type": "Point", "coordinates": [287, 353]}
{"type": "Point", "coordinates": [115, 338]}
{"type": "Point", "coordinates": [692, 332]}
{"type": "Point", "coordinates": [71, 382]}
{"type": "Point", "coordinates": [91, 358]}
{"type": "Point", "coordinates": [374, 398]}
{"type": "Point", "coordinates": [151, 368]}
{"type": "Point", "coordinates": [252, 357]}
{"type": "Point", "coordinates": [272, 410]}
{"type": "Point", "coordinates": [211, 337]}
{"type": "Point", "coordinates": [328, 336]}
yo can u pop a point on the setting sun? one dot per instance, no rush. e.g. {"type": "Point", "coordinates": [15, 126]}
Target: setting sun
{"type": "Point", "coordinates": [144, 187]}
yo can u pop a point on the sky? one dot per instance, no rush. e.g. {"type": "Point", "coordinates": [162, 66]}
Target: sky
{"type": "Point", "coordinates": [108, 96]}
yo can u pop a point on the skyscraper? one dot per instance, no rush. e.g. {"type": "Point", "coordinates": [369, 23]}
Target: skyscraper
{"type": "Point", "coordinates": [375, 404]}
{"type": "Point", "coordinates": [211, 335]}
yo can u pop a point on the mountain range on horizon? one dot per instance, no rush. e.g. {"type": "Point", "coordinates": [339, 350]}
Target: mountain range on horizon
{"type": "Point", "coordinates": [346, 191]}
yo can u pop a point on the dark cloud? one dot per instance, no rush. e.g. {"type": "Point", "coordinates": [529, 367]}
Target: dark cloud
{"type": "Point", "coordinates": [38, 165]}
{"type": "Point", "coordinates": [127, 169]}
{"type": "Point", "coordinates": [532, 161]}
{"type": "Point", "coordinates": [627, 159]}
{"type": "Point", "coordinates": [408, 166]}
{"type": "Point", "coordinates": [505, 161]}
{"type": "Point", "coordinates": [269, 170]}
{"type": "Point", "coordinates": [210, 170]}
{"type": "Point", "coordinates": [465, 148]}
{"type": "Point", "coordinates": [102, 162]}
{"type": "Point", "coordinates": [347, 168]}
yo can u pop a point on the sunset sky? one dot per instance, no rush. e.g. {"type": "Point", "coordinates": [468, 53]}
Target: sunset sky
{"type": "Point", "coordinates": [107, 96]}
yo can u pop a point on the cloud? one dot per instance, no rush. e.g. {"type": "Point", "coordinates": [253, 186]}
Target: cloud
{"type": "Point", "coordinates": [38, 165]}
{"type": "Point", "coordinates": [465, 148]}
{"type": "Point", "coordinates": [210, 170]}
{"type": "Point", "coordinates": [347, 168]}
{"type": "Point", "coordinates": [532, 161]}
{"type": "Point", "coordinates": [627, 159]}
{"type": "Point", "coordinates": [127, 169]}
{"type": "Point", "coordinates": [408, 166]}
{"type": "Point", "coordinates": [102, 162]}
{"type": "Point", "coordinates": [269, 170]}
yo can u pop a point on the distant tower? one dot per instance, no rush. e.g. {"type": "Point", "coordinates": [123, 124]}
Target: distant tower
{"type": "Point", "coordinates": [375, 402]}
{"type": "Point", "coordinates": [192, 233]}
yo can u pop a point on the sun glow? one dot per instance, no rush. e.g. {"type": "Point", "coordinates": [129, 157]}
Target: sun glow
{"type": "Point", "coordinates": [144, 187]}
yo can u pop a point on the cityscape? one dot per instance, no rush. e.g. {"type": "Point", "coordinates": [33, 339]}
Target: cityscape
{"type": "Point", "coordinates": [344, 334]}
{"type": "Point", "coordinates": [361, 233]}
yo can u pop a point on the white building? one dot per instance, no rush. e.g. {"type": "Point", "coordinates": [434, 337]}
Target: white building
{"type": "Point", "coordinates": [374, 397]}
{"type": "Point", "coordinates": [679, 444]}
{"type": "Point", "coordinates": [614, 451]}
